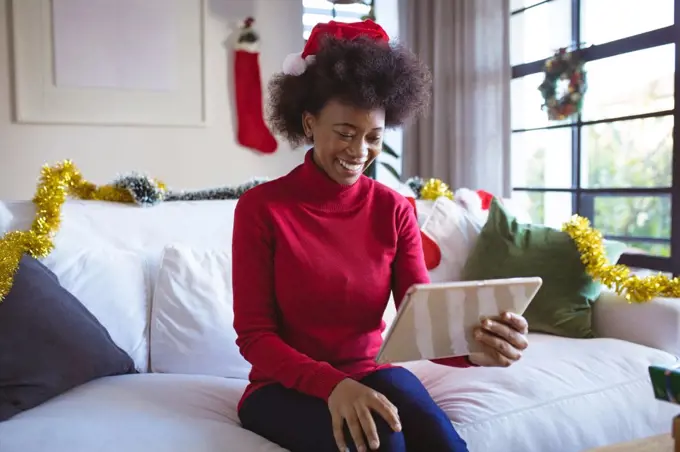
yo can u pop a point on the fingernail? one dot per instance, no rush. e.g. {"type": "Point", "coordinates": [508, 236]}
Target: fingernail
{"type": "Point", "coordinates": [397, 427]}
{"type": "Point", "coordinates": [507, 316]}
{"type": "Point", "coordinates": [478, 334]}
{"type": "Point", "coordinates": [487, 323]}
{"type": "Point", "coordinates": [375, 445]}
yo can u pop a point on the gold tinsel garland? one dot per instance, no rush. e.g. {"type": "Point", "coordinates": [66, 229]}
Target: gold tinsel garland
{"type": "Point", "coordinates": [64, 179]}
{"type": "Point", "coordinates": [435, 188]}
{"type": "Point", "coordinates": [55, 184]}
{"type": "Point", "coordinates": [589, 243]}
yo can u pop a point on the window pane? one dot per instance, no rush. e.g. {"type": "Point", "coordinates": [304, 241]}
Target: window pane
{"type": "Point", "coordinates": [538, 32]}
{"type": "Point", "coordinates": [609, 20]}
{"type": "Point", "coordinates": [652, 248]}
{"type": "Point", "coordinates": [525, 104]}
{"type": "Point", "coordinates": [630, 84]}
{"type": "Point", "coordinates": [549, 208]}
{"type": "Point", "coordinates": [519, 4]}
{"type": "Point", "coordinates": [321, 11]}
{"type": "Point", "coordinates": [542, 158]}
{"type": "Point", "coordinates": [634, 217]}
{"type": "Point", "coordinates": [625, 154]}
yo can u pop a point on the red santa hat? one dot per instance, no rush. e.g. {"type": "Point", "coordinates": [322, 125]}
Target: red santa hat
{"type": "Point", "coordinates": [296, 63]}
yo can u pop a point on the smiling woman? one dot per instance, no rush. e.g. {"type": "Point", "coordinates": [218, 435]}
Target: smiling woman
{"type": "Point", "coordinates": [340, 94]}
{"type": "Point", "coordinates": [321, 249]}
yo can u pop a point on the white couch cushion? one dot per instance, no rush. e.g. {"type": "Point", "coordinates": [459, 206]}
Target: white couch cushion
{"type": "Point", "coordinates": [143, 230]}
{"type": "Point", "coordinates": [455, 232]}
{"type": "Point", "coordinates": [112, 285]}
{"type": "Point", "coordinates": [586, 392]}
{"type": "Point", "coordinates": [137, 413]}
{"type": "Point", "coordinates": [192, 315]}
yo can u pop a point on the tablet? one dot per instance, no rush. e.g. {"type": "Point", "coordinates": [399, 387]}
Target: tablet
{"type": "Point", "coordinates": [437, 320]}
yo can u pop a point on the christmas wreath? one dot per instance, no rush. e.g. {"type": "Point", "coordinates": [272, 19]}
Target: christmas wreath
{"type": "Point", "coordinates": [563, 66]}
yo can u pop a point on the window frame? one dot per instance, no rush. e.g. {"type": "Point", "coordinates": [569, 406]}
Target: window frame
{"type": "Point", "coordinates": [332, 14]}
{"type": "Point", "coordinates": [583, 198]}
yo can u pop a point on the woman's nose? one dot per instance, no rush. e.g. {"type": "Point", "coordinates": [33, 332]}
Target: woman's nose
{"type": "Point", "coordinates": [359, 150]}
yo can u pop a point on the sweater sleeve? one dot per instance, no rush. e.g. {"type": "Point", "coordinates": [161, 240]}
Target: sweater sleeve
{"type": "Point", "coordinates": [255, 312]}
{"type": "Point", "coordinates": [409, 268]}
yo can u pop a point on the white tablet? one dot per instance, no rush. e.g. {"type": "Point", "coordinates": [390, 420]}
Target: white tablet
{"type": "Point", "coordinates": [437, 320]}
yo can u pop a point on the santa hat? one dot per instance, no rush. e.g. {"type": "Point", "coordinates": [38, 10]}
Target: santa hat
{"type": "Point", "coordinates": [296, 63]}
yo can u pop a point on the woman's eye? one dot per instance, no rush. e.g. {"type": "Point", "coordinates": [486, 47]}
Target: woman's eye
{"type": "Point", "coordinates": [375, 139]}
{"type": "Point", "coordinates": [345, 135]}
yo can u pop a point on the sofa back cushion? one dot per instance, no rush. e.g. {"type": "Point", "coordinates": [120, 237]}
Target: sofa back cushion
{"type": "Point", "coordinates": [192, 316]}
{"type": "Point", "coordinates": [49, 342]}
{"type": "Point", "coordinates": [112, 284]}
{"type": "Point", "coordinates": [143, 230]}
{"type": "Point", "coordinates": [108, 254]}
{"type": "Point", "coordinates": [454, 230]}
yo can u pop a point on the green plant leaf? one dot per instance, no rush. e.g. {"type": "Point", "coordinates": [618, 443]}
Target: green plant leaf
{"type": "Point", "coordinates": [371, 170]}
{"type": "Point", "coordinates": [392, 170]}
{"type": "Point", "coordinates": [389, 151]}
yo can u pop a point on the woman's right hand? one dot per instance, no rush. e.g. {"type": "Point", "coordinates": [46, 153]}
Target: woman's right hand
{"type": "Point", "coordinates": [352, 402]}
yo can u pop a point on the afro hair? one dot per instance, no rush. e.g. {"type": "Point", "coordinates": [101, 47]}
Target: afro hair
{"type": "Point", "coordinates": [361, 72]}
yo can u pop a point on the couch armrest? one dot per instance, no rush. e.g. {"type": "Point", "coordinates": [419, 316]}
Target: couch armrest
{"type": "Point", "coordinates": [654, 324]}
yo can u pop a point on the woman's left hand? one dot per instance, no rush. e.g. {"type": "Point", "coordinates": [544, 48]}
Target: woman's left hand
{"type": "Point", "coordinates": [504, 339]}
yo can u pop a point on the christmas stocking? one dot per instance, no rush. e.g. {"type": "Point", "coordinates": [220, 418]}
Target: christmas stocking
{"type": "Point", "coordinates": [252, 130]}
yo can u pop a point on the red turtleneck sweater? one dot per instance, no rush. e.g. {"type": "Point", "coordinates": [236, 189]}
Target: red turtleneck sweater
{"type": "Point", "coordinates": [314, 265]}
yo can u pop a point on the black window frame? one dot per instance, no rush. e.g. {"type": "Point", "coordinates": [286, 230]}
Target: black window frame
{"type": "Point", "coordinates": [583, 198]}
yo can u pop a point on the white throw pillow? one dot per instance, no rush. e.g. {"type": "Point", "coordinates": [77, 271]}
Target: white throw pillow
{"type": "Point", "coordinates": [423, 210]}
{"type": "Point", "coordinates": [455, 230]}
{"type": "Point", "coordinates": [192, 315]}
{"type": "Point", "coordinates": [113, 285]}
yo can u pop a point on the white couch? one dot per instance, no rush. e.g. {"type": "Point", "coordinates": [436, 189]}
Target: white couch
{"type": "Point", "coordinates": [169, 308]}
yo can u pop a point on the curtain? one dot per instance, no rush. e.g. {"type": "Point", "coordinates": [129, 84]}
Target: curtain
{"type": "Point", "coordinates": [464, 139]}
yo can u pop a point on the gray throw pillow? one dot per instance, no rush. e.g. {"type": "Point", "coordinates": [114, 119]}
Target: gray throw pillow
{"type": "Point", "coordinates": [49, 342]}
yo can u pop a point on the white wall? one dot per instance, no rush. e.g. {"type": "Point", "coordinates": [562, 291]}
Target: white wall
{"type": "Point", "coordinates": [182, 157]}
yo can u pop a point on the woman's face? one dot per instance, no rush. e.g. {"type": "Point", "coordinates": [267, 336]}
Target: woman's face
{"type": "Point", "coordinates": [346, 139]}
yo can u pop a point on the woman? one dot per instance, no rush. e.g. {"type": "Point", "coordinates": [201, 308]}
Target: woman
{"type": "Point", "coordinates": [317, 252]}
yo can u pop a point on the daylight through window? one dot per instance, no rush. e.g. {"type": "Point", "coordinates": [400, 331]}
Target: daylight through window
{"type": "Point", "coordinates": [612, 163]}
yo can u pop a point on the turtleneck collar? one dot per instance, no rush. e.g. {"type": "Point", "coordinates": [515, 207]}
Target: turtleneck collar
{"type": "Point", "coordinates": [318, 188]}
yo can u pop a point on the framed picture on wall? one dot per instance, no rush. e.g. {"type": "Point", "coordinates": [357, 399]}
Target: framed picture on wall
{"type": "Point", "coordinates": [110, 62]}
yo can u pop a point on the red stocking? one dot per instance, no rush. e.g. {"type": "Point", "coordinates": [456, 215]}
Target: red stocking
{"type": "Point", "coordinates": [252, 130]}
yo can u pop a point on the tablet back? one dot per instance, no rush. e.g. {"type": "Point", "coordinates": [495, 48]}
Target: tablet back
{"type": "Point", "coordinates": [437, 320]}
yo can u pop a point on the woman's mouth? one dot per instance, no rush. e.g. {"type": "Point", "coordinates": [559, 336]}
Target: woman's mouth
{"type": "Point", "coordinates": [354, 168]}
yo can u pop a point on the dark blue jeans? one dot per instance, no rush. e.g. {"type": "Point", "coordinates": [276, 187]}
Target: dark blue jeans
{"type": "Point", "coordinates": [302, 423]}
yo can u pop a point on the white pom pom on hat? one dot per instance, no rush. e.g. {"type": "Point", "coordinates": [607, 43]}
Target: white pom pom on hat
{"type": "Point", "coordinates": [294, 64]}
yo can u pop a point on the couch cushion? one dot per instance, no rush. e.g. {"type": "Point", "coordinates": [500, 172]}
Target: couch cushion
{"type": "Point", "coordinates": [586, 392]}
{"type": "Point", "coordinates": [113, 285]}
{"type": "Point", "coordinates": [143, 230]}
{"type": "Point", "coordinates": [507, 248]}
{"type": "Point", "coordinates": [455, 232]}
{"type": "Point", "coordinates": [192, 316]}
{"type": "Point", "coordinates": [137, 413]}
{"type": "Point", "coordinates": [49, 342]}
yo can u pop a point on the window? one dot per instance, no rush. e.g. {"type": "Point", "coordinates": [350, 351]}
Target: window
{"type": "Point", "coordinates": [618, 162]}
{"type": "Point", "coordinates": [316, 11]}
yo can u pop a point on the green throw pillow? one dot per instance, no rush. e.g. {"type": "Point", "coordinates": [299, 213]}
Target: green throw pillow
{"type": "Point", "coordinates": [508, 249]}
